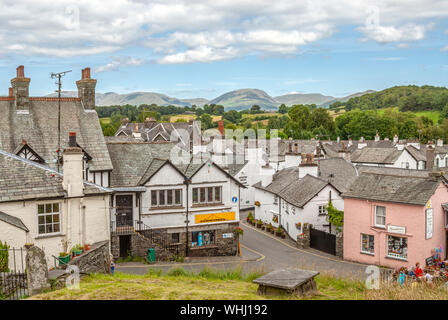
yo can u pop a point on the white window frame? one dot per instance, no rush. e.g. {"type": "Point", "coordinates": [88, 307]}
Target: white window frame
{"type": "Point", "coordinates": [44, 214]}
{"type": "Point", "coordinates": [206, 198]}
{"type": "Point", "coordinates": [393, 255]}
{"type": "Point", "coordinates": [376, 216]}
{"type": "Point", "coordinates": [165, 192]}
{"type": "Point", "coordinates": [322, 211]}
{"type": "Point", "coordinates": [362, 247]}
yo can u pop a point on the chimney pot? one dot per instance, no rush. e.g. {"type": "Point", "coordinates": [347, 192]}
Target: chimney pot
{"type": "Point", "coordinates": [86, 73]}
{"type": "Point", "coordinates": [72, 140]}
{"type": "Point", "coordinates": [20, 72]}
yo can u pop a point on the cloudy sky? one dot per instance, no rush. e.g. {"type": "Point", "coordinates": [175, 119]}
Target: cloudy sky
{"type": "Point", "coordinates": [204, 48]}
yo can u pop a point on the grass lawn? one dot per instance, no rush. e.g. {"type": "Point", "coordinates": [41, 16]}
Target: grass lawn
{"type": "Point", "coordinates": [179, 284]}
{"type": "Point", "coordinates": [267, 114]}
{"type": "Point", "coordinates": [104, 120]}
{"type": "Point", "coordinates": [433, 115]}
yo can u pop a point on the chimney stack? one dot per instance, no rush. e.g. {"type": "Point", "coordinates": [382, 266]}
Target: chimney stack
{"type": "Point", "coordinates": [11, 93]}
{"type": "Point", "coordinates": [439, 142]}
{"type": "Point", "coordinates": [430, 156]}
{"type": "Point", "coordinates": [377, 137]}
{"type": "Point", "coordinates": [20, 90]}
{"type": "Point", "coordinates": [72, 166]}
{"type": "Point", "coordinates": [221, 127]}
{"type": "Point", "coordinates": [149, 122]}
{"type": "Point", "coordinates": [86, 89]}
{"type": "Point", "coordinates": [395, 138]}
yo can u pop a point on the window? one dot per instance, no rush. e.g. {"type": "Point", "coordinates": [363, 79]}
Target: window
{"type": "Point", "coordinates": [322, 211]}
{"type": "Point", "coordinates": [48, 216]}
{"type": "Point", "coordinates": [207, 195]}
{"type": "Point", "coordinates": [380, 216]}
{"type": "Point", "coordinates": [166, 198]}
{"type": "Point", "coordinates": [367, 244]}
{"type": "Point", "coordinates": [202, 238]}
{"type": "Point", "coordinates": [175, 238]}
{"type": "Point", "coordinates": [397, 247]}
{"type": "Point", "coordinates": [293, 209]}
{"type": "Point", "coordinates": [405, 165]}
{"type": "Point", "coordinates": [275, 200]}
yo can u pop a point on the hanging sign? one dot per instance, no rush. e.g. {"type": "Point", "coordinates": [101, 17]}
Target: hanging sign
{"type": "Point", "coordinates": [429, 222]}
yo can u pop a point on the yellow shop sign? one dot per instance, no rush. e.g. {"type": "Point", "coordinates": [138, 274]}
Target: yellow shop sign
{"type": "Point", "coordinates": [214, 217]}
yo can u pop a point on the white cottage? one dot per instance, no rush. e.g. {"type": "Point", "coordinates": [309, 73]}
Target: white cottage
{"type": "Point", "coordinates": [299, 195]}
{"type": "Point", "coordinates": [51, 210]}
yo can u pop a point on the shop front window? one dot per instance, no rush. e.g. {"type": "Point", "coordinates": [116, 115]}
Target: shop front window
{"type": "Point", "coordinates": [202, 238]}
{"type": "Point", "coordinates": [397, 247]}
{"type": "Point", "coordinates": [367, 244]}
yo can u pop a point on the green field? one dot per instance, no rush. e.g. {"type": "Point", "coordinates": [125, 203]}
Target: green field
{"type": "Point", "coordinates": [267, 114]}
{"type": "Point", "coordinates": [433, 115]}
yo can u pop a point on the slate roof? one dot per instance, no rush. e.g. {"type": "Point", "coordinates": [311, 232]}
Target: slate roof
{"type": "Point", "coordinates": [376, 155]}
{"type": "Point", "coordinates": [40, 129]}
{"type": "Point", "coordinates": [338, 171]}
{"type": "Point", "coordinates": [393, 188]}
{"type": "Point", "coordinates": [16, 222]}
{"type": "Point", "coordinates": [24, 179]}
{"type": "Point", "coordinates": [152, 131]}
{"type": "Point", "coordinates": [132, 159]}
{"type": "Point", "coordinates": [286, 183]}
{"type": "Point", "coordinates": [392, 171]}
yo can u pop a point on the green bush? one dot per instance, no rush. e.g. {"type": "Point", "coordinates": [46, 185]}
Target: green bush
{"type": "Point", "coordinates": [4, 257]}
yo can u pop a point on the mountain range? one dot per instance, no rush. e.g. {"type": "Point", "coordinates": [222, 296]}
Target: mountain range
{"type": "Point", "coordinates": [234, 100]}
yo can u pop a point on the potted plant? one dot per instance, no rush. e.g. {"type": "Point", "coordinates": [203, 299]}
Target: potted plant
{"type": "Point", "coordinates": [257, 203]}
{"type": "Point", "coordinates": [298, 225]}
{"type": "Point", "coordinates": [275, 219]}
{"type": "Point", "coordinates": [64, 258]}
{"type": "Point", "coordinates": [249, 217]}
{"type": "Point", "coordinates": [76, 250]}
{"type": "Point", "coordinates": [279, 231]}
{"type": "Point", "coordinates": [259, 223]}
{"type": "Point", "coordinates": [269, 227]}
{"type": "Point", "coordinates": [87, 247]}
{"type": "Point", "coordinates": [238, 231]}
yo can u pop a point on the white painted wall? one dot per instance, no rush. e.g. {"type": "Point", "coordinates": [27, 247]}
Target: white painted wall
{"type": "Point", "coordinates": [168, 178]}
{"type": "Point", "coordinates": [83, 220]}
{"type": "Point", "coordinates": [290, 215]}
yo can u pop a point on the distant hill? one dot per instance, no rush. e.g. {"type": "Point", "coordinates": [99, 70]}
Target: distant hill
{"type": "Point", "coordinates": [346, 98]}
{"type": "Point", "coordinates": [246, 98]}
{"type": "Point", "coordinates": [137, 98]}
{"type": "Point", "coordinates": [303, 98]}
{"type": "Point", "coordinates": [237, 100]}
{"type": "Point", "coordinates": [405, 98]}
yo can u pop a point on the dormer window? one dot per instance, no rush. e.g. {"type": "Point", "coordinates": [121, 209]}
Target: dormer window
{"type": "Point", "coordinates": [24, 151]}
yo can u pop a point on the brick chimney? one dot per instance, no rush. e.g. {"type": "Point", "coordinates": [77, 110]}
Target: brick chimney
{"type": "Point", "coordinates": [308, 166]}
{"type": "Point", "coordinates": [11, 93]}
{"type": "Point", "coordinates": [20, 90]}
{"type": "Point", "coordinates": [149, 122]}
{"type": "Point", "coordinates": [221, 127]}
{"type": "Point", "coordinates": [430, 156]}
{"type": "Point", "coordinates": [86, 89]}
{"type": "Point", "coordinates": [72, 159]}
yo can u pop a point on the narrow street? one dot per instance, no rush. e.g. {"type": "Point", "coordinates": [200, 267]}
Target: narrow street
{"type": "Point", "coordinates": [261, 251]}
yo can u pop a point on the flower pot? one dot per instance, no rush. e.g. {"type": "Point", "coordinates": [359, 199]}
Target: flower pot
{"type": "Point", "coordinates": [258, 226]}
{"type": "Point", "coordinates": [64, 260]}
{"type": "Point", "coordinates": [78, 252]}
{"type": "Point", "coordinates": [283, 235]}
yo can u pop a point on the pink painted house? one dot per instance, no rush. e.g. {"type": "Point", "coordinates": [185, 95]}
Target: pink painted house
{"type": "Point", "coordinates": [395, 220]}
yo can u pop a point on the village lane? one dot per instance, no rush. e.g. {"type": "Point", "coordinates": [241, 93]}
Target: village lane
{"type": "Point", "coordinates": [262, 251]}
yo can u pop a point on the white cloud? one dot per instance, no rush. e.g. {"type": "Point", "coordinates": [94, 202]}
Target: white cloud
{"type": "Point", "coordinates": [182, 31]}
{"type": "Point", "coordinates": [118, 62]}
{"type": "Point", "coordinates": [445, 48]}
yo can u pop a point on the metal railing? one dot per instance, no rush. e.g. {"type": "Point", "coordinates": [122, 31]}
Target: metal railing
{"type": "Point", "coordinates": [13, 282]}
{"type": "Point", "coordinates": [153, 235]}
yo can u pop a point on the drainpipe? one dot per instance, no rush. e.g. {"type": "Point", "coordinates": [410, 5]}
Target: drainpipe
{"type": "Point", "coordinates": [186, 182]}
{"type": "Point", "coordinates": [279, 211]}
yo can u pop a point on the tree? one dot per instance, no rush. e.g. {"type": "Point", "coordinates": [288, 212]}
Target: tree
{"type": "Point", "coordinates": [206, 121]}
{"type": "Point", "coordinates": [283, 109]}
{"type": "Point", "coordinates": [335, 216]}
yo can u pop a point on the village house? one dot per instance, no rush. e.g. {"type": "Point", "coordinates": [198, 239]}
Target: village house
{"type": "Point", "coordinates": [158, 197]}
{"type": "Point", "coordinates": [33, 128]}
{"type": "Point", "coordinates": [395, 217]}
{"type": "Point", "coordinates": [51, 210]}
{"type": "Point", "coordinates": [298, 195]}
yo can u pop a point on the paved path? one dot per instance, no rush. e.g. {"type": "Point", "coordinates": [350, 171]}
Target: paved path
{"type": "Point", "coordinates": [262, 251]}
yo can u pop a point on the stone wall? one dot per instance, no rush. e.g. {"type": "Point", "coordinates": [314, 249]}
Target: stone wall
{"type": "Point", "coordinates": [96, 260]}
{"type": "Point", "coordinates": [340, 245]}
{"type": "Point", "coordinates": [303, 240]}
{"type": "Point", "coordinates": [222, 247]}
